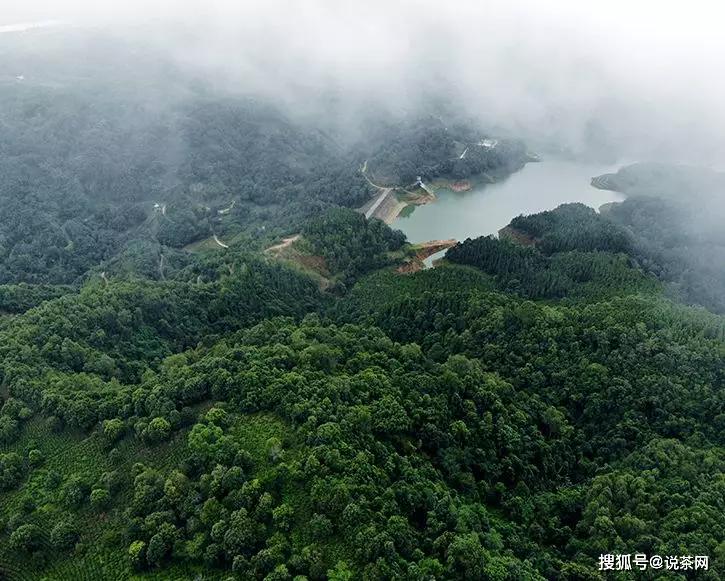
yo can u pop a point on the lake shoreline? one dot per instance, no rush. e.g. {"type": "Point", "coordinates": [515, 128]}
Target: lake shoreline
{"type": "Point", "coordinates": [486, 208]}
{"type": "Point", "coordinates": [390, 212]}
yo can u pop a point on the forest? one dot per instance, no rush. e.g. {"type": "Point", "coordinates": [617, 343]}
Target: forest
{"type": "Point", "coordinates": [179, 400]}
{"type": "Point", "coordinates": [249, 425]}
{"type": "Point", "coordinates": [677, 240]}
{"type": "Point", "coordinates": [108, 169]}
{"type": "Point", "coordinates": [430, 148]}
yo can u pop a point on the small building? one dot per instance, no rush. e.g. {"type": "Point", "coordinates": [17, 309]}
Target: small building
{"type": "Point", "coordinates": [488, 143]}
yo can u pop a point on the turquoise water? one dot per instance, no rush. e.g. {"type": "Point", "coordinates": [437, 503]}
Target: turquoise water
{"type": "Point", "coordinates": [488, 208]}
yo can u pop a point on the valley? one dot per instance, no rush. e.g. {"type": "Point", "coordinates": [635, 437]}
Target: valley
{"type": "Point", "coordinates": [224, 354]}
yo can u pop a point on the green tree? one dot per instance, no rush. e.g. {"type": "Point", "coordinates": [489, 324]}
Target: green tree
{"type": "Point", "coordinates": [158, 430]}
{"type": "Point", "coordinates": [113, 429]}
{"type": "Point", "coordinates": [137, 554]}
{"type": "Point", "coordinates": [26, 538]}
{"type": "Point", "coordinates": [100, 498]}
{"type": "Point", "coordinates": [341, 572]}
{"type": "Point", "coordinates": [64, 535]}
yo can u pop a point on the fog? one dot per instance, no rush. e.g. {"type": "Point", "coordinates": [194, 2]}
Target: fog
{"type": "Point", "coordinates": [610, 79]}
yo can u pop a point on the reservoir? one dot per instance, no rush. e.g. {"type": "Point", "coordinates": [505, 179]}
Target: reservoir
{"type": "Point", "coordinates": [489, 207]}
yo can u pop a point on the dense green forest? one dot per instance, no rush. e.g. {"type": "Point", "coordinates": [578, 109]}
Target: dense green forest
{"type": "Point", "coordinates": [572, 253]}
{"type": "Point", "coordinates": [677, 214]}
{"type": "Point", "coordinates": [679, 239]}
{"type": "Point", "coordinates": [350, 244]}
{"type": "Point", "coordinates": [95, 161]}
{"type": "Point", "coordinates": [248, 425]}
{"type": "Point", "coordinates": [178, 401]}
{"type": "Point", "coordinates": [430, 148]}
{"type": "Point", "coordinates": [173, 176]}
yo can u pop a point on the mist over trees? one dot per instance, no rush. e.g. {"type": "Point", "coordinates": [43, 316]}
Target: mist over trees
{"type": "Point", "coordinates": [214, 365]}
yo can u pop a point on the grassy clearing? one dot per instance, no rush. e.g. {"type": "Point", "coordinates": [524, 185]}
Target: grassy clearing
{"type": "Point", "coordinates": [205, 245]}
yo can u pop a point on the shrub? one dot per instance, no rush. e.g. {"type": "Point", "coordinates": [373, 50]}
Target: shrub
{"type": "Point", "coordinates": [25, 538]}
{"type": "Point", "coordinates": [35, 457]}
{"type": "Point", "coordinates": [100, 498]}
{"type": "Point", "coordinates": [64, 535]}
{"type": "Point", "coordinates": [137, 554]}
{"type": "Point", "coordinates": [113, 429]}
{"type": "Point", "coordinates": [158, 430]}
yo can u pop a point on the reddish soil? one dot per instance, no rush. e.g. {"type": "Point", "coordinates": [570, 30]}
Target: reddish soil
{"type": "Point", "coordinates": [316, 263]}
{"type": "Point", "coordinates": [461, 186]}
{"type": "Point", "coordinates": [410, 267]}
{"type": "Point", "coordinates": [284, 244]}
{"type": "Point", "coordinates": [424, 250]}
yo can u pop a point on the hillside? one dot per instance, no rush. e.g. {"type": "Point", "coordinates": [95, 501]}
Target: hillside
{"type": "Point", "coordinates": [676, 213]}
{"type": "Point", "coordinates": [432, 148]}
{"type": "Point", "coordinates": [175, 428]}
{"type": "Point", "coordinates": [213, 367]}
{"type": "Point", "coordinates": [172, 176]}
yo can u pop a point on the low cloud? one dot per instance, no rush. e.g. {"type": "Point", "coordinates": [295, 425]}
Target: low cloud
{"type": "Point", "coordinates": [628, 80]}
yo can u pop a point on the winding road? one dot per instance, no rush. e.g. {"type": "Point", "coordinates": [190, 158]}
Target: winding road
{"type": "Point", "coordinates": [284, 244]}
